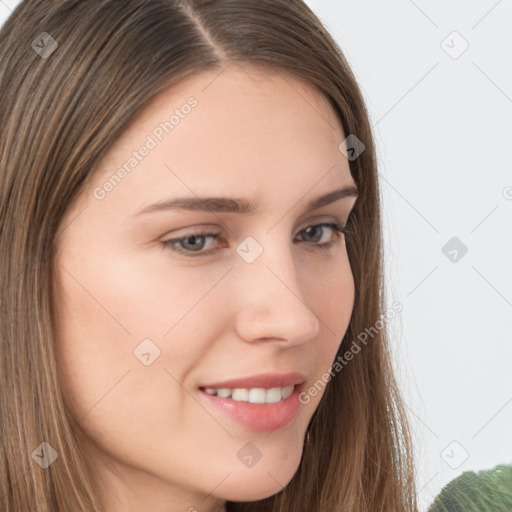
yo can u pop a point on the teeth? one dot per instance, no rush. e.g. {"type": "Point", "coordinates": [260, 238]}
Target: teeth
{"type": "Point", "coordinates": [253, 395]}
{"type": "Point", "coordinates": [241, 395]}
{"type": "Point", "coordinates": [224, 393]}
{"type": "Point", "coordinates": [287, 391]}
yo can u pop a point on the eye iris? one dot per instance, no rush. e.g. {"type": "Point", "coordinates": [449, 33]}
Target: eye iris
{"type": "Point", "coordinates": [313, 228]}
{"type": "Point", "coordinates": [193, 237]}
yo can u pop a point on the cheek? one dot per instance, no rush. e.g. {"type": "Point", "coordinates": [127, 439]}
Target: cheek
{"type": "Point", "coordinates": [120, 403]}
{"type": "Point", "coordinates": [110, 310]}
{"type": "Point", "coordinates": [330, 293]}
{"type": "Point", "coordinates": [332, 299]}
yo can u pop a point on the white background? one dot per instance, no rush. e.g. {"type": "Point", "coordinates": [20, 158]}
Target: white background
{"type": "Point", "coordinates": [442, 120]}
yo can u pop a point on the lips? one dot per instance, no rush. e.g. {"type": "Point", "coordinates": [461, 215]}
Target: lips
{"type": "Point", "coordinates": [256, 417]}
{"type": "Point", "coordinates": [262, 380]}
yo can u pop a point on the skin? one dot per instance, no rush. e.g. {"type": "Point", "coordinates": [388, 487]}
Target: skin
{"type": "Point", "coordinates": [151, 441]}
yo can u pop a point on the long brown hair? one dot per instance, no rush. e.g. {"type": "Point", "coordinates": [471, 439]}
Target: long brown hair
{"type": "Point", "coordinates": [60, 112]}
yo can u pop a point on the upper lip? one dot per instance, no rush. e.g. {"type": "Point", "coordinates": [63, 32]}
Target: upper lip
{"type": "Point", "coordinates": [262, 380]}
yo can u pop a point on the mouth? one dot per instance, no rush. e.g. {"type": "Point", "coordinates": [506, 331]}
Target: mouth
{"type": "Point", "coordinates": [251, 395]}
{"type": "Point", "coordinates": [256, 409]}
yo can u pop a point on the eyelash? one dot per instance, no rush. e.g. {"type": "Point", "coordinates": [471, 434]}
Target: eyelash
{"type": "Point", "coordinates": [339, 232]}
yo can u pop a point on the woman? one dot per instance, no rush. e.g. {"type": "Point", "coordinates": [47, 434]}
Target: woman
{"type": "Point", "coordinates": [141, 370]}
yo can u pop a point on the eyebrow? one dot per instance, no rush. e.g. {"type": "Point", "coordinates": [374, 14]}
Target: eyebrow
{"type": "Point", "coordinates": [238, 205]}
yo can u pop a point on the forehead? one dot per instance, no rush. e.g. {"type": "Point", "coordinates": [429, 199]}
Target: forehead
{"type": "Point", "coordinates": [239, 89]}
{"type": "Point", "coordinates": [231, 130]}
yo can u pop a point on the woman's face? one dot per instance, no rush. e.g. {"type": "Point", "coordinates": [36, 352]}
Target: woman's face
{"type": "Point", "coordinates": [146, 321]}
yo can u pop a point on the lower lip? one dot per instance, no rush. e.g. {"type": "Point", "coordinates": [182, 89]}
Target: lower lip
{"type": "Point", "coordinates": [258, 417]}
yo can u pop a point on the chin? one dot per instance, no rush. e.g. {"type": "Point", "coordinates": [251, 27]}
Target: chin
{"type": "Point", "coordinates": [251, 490]}
{"type": "Point", "coordinates": [259, 482]}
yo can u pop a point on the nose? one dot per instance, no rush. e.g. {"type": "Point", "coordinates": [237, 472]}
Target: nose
{"type": "Point", "coordinates": [270, 303]}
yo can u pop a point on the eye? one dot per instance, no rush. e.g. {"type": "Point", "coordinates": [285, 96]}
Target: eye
{"type": "Point", "coordinates": [194, 244]}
